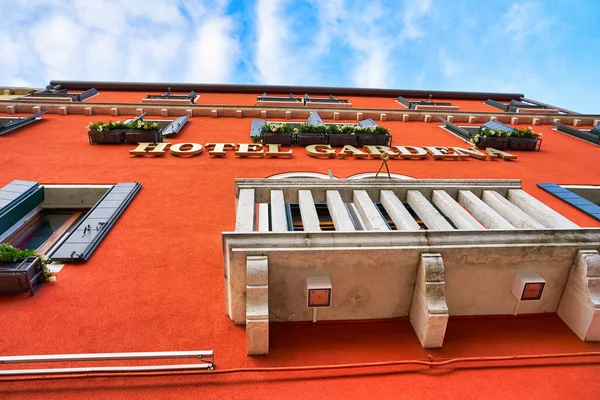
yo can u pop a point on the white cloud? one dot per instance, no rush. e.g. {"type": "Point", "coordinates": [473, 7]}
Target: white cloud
{"type": "Point", "coordinates": [524, 21]}
{"type": "Point", "coordinates": [134, 40]}
{"type": "Point", "coordinates": [449, 65]}
{"type": "Point", "coordinates": [214, 52]}
{"type": "Point", "coordinates": [414, 10]}
{"type": "Point", "coordinates": [273, 58]}
{"type": "Point", "coordinates": [372, 71]}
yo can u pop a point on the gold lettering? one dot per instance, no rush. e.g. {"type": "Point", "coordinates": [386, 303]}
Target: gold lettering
{"type": "Point", "coordinates": [273, 151]}
{"type": "Point", "coordinates": [249, 150]}
{"type": "Point", "coordinates": [411, 152]}
{"type": "Point", "coordinates": [218, 149]}
{"type": "Point", "coordinates": [153, 149]}
{"type": "Point", "coordinates": [465, 153]}
{"type": "Point", "coordinates": [376, 151]}
{"type": "Point", "coordinates": [440, 153]}
{"type": "Point", "coordinates": [493, 154]}
{"type": "Point", "coordinates": [349, 150]}
{"type": "Point", "coordinates": [186, 149]}
{"type": "Point", "coordinates": [320, 151]}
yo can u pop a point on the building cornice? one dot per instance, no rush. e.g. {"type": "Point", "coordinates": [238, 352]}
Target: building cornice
{"type": "Point", "coordinates": [257, 89]}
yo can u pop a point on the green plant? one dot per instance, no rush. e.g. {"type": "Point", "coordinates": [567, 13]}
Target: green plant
{"type": "Point", "coordinates": [380, 130]}
{"type": "Point", "coordinates": [274, 127]}
{"type": "Point", "coordinates": [516, 133]}
{"type": "Point", "coordinates": [313, 128]}
{"type": "Point", "coordinates": [256, 139]}
{"type": "Point", "coordinates": [349, 129]}
{"type": "Point", "coordinates": [102, 126]}
{"type": "Point", "coordinates": [9, 253]}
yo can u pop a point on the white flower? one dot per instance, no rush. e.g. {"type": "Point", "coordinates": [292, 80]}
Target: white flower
{"type": "Point", "coordinates": [52, 279]}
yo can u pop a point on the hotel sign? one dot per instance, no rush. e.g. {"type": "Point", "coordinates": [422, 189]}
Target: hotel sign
{"type": "Point", "coordinates": [255, 150]}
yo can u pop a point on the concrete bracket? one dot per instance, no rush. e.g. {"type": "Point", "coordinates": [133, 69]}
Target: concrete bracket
{"type": "Point", "coordinates": [579, 306]}
{"type": "Point", "coordinates": [429, 312]}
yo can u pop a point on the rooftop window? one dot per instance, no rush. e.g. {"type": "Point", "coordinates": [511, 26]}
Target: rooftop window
{"type": "Point", "coordinates": [169, 98]}
{"type": "Point", "coordinates": [312, 101]}
{"type": "Point", "coordinates": [58, 93]}
{"type": "Point", "coordinates": [425, 104]}
{"type": "Point", "coordinates": [520, 106]}
{"type": "Point", "coordinates": [287, 101]}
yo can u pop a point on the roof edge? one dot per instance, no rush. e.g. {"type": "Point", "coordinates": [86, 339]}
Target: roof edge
{"type": "Point", "coordinates": [257, 89]}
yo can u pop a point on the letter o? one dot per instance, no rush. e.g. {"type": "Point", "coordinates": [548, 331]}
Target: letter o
{"type": "Point", "coordinates": [186, 149]}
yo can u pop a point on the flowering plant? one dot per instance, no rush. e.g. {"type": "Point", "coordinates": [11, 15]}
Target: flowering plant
{"type": "Point", "coordinates": [102, 126]}
{"type": "Point", "coordinates": [514, 133]}
{"type": "Point", "coordinates": [349, 129]}
{"type": "Point", "coordinates": [274, 127]}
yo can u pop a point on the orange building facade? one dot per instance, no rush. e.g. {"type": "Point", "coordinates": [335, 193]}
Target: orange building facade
{"type": "Point", "coordinates": [444, 264]}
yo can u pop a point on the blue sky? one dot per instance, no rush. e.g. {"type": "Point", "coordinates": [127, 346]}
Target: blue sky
{"type": "Point", "coordinates": [549, 49]}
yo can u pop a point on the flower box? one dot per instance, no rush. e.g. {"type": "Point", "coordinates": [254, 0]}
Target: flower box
{"type": "Point", "coordinates": [522, 143]}
{"type": "Point", "coordinates": [20, 276]}
{"type": "Point", "coordinates": [495, 142]}
{"type": "Point", "coordinates": [308, 138]}
{"type": "Point", "coordinates": [370, 139]}
{"type": "Point", "coordinates": [115, 136]}
{"type": "Point", "coordinates": [135, 136]}
{"type": "Point", "coordinates": [342, 139]}
{"type": "Point", "coordinates": [282, 138]}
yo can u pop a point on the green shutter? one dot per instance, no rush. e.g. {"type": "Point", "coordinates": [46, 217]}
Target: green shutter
{"type": "Point", "coordinates": [17, 199]}
{"type": "Point", "coordinates": [89, 232]}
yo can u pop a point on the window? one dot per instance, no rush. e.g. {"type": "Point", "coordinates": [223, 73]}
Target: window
{"type": "Point", "coordinates": [425, 104]}
{"type": "Point", "coordinates": [325, 101]}
{"type": "Point", "coordinates": [287, 101]}
{"type": "Point", "coordinates": [44, 229]}
{"type": "Point", "coordinates": [10, 124]}
{"type": "Point", "coordinates": [463, 132]}
{"type": "Point", "coordinates": [584, 198]}
{"type": "Point", "coordinates": [591, 136]}
{"type": "Point", "coordinates": [295, 219]}
{"type": "Point", "coordinates": [519, 106]}
{"type": "Point", "coordinates": [169, 98]}
{"type": "Point", "coordinates": [525, 106]}
{"type": "Point", "coordinates": [64, 222]}
{"type": "Point", "coordinates": [58, 93]}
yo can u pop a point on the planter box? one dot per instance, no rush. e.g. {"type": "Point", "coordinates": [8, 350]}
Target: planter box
{"type": "Point", "coordinates": [282, 138]}
{"type": "Point", "coordinates": [20, 276]}
{"type": "Point", "coordinates": [136, 136]}
{"type": "Point", "coordinates": [380, 140]}
{"type": "Point", "coordinates": [522, 143]}
{"type": "Point", "coordinates": [340, 140]}
{"type": "Point", "coordinates": [115, 136]}
{"type": "Point", "coordinates": [308, 138]}
{"type": "Point", "coordinates": [124, 136]}
{"type": "Point", "coordinates": [498, 143]}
